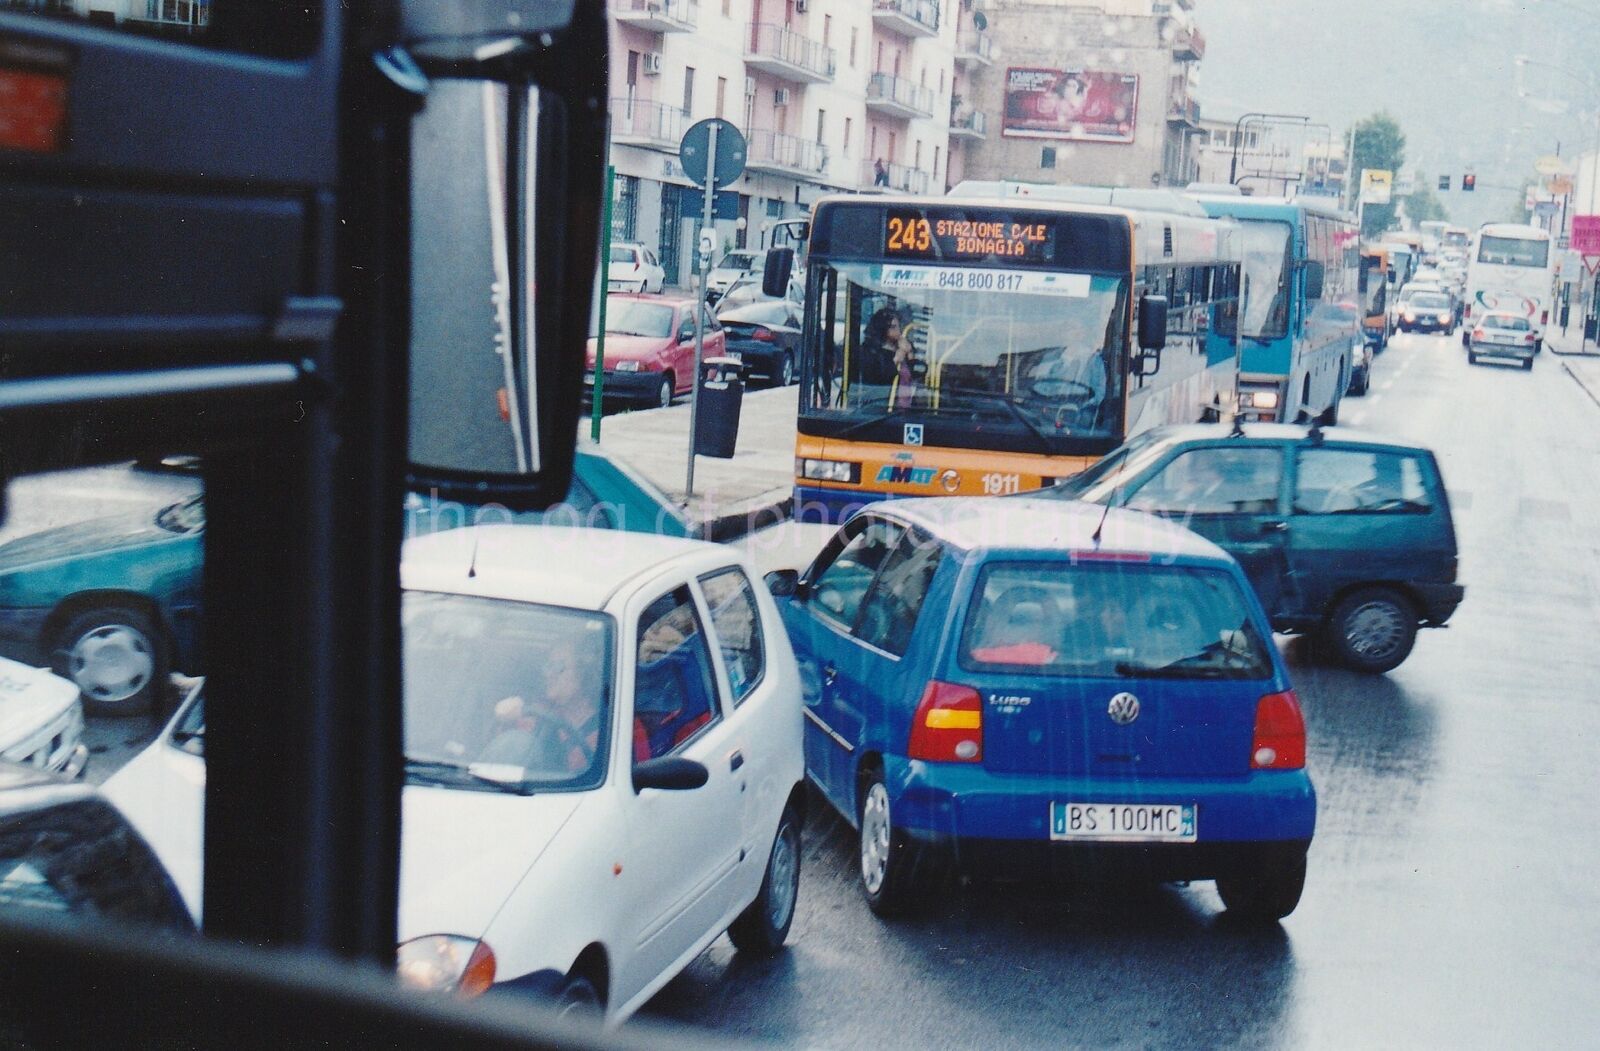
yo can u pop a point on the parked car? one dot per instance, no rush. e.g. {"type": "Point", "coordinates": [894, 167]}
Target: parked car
{"type": "Point", "coordinates": [1344, 534]}
{"type": "Point", "coordinates": [765, 336]}
{"type": "Point", "coordinates": [748, 290]}
{"type": "Point", "coordinates": [729, 269]}
{"type": "Point", "coordinates": [111, 603]}
{"type": "Point", "coordinates": [634, 268]}
{"type": "Point", "coordinates": [41, 720]}
{"type": "Point", "coordinates": [1504, 337]}
{"type": "Point", "coordinates": [650, 347]}
{"type": "Point", "coordinates": [603, 765]}
{"type": "Point", "coordinates": [1428, 312]}
{"type": "Point", "coordinates": [67, 854]}
{"type": "Point", "coordinates": [1026, 687]}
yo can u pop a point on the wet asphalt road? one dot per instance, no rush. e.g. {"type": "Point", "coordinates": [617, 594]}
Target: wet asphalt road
{"type": "Point", "coordinates": [1452, 899]}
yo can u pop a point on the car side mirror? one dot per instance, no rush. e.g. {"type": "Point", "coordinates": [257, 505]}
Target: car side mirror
{"type": "Point", "coordinates": [1315, 277]}
{"type": "Point", "coordinates": [775, 275]}
{"type": "Point", "coordinates": [1153, 322]}
{"type": "Point", "coordinates": [783, 583]}
{"type": "Point", "coordinates": [670, 773]}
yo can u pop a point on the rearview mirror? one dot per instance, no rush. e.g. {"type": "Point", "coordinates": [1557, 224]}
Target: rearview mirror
{"type": "Point", "coordinates": [775, 275]}
{"type": "Point", "coordinates": [1315, 275]}
{"type": "Point", "coordinates": [669, 773]}
{"type": "Point", "coordinates": [1153, 322]}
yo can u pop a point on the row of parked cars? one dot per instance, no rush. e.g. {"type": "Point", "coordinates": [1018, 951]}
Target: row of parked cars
{"type": "Point", "coordinates": [609, 735]}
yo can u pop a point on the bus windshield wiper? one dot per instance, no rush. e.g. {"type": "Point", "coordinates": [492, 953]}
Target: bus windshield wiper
{"type": "Point", "coordinates": [1002, 399]}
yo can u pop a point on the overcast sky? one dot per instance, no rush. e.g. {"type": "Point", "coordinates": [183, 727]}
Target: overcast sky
{"type": "Point", "coordinates": [1443, 68]}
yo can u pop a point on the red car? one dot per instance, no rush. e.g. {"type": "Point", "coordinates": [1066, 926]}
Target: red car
{"type": "Point", "coordinates": [650, 346]}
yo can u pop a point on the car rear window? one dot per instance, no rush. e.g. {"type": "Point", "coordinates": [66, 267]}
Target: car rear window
{"type": "Point", "coordinates": [1513, 324]}
{"type": "Point", "coordinates": [1112, 620]}
{"type": "Point", "coordinates": [621, 255]}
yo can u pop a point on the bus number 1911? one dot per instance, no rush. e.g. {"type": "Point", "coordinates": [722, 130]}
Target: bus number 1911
{"type": "Point", "coordinates": [1001, 484]}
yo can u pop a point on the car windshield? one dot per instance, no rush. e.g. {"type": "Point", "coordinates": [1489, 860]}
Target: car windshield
{"type": "Point", "coordinates": [502, 694]}
{"type": "Point", "coordinates": [633, 317]}
{"type": "Point", "coordinates": [1035, 354]}
{"type": "Point", "coordinates": [186, 517]}
{"type": "Point", "coordinates": [1513, 251]}
{"type": "Point", "coordinates": [1106, 473]}
{"type": "Point", "coordinates": [1266, 269]}
{"type": "Point", "coordinates": [1430, 301]}
{"type": "Point", "coordinates": [738, 261]}
{"type": "Point", "coordinates": [1112, 620]}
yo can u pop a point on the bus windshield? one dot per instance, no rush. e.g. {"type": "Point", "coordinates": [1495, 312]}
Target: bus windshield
{"type": "Point", "coordinates": [1031, 353]}
{"type": "Point", "coordinates": [1266, 269]}
{"type": "Point", "coordinates": [1513, 251]}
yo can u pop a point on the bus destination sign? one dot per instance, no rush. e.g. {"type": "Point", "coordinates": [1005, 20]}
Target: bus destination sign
{"type": "Point", "coordinates": [953, 237]}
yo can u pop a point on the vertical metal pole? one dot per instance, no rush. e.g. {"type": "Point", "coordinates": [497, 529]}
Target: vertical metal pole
{"type": "Point", "coordinates": [598, 395]}
{"type": "Point", "coordinates": [699, 307]}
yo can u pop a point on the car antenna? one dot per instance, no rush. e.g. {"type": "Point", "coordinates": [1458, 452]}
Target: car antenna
{"type": "Point", "coordinates": [1315, 433]}
{"type": "Point", "coordinates": [1238, 426]}
{"type": "Point", "coordinates": [1098, 529]}
{"type": "Point", "coordinates": [472, 566]}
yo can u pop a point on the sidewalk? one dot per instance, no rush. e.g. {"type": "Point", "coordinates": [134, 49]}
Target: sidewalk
{"type": "Point", "coordinates": [1582, 365]}
{"type": "Point", "coordinates": [731, 497]}
{"type": "Point", "coordinates": [1570, 343]}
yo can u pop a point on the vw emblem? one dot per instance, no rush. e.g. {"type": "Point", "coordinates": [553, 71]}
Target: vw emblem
{"type": "Point", "coordinates": [1123, 709]}
{"type": "Point", "coordinates": [913, 434]}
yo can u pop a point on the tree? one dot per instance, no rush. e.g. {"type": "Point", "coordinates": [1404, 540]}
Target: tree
{"type": "Point", "coordinates": [1424, 205]}
{"type": "Point", "coordinates": [1379, 144]}
{"type": "Point", "coordinates": [1519, 207]}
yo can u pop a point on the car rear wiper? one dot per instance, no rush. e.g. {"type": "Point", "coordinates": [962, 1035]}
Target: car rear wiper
{"type": "Point", "coordinates": [1176, 670]}
{"type": "Point", "coordinates": [455, 775]}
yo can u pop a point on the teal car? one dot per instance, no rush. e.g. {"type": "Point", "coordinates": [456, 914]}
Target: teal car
{"type": "Point", "coordinates": [1343, 534]}
{"type": "Point", "coordinates": [114, 604]}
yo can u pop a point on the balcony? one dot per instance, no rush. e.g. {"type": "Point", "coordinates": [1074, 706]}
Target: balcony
{"type": "Point", "coordinates": [896, 97]}
{"type": "Point", "coordinates": [974, 49]}
{"type": "Point", "coordinates": [657, 16]}
{"type": "Point", "coordinates": [1183, 112]}
{"type": "Point", "coordinates": [786, 54]}
{"type": "Point", "coordinates": [779, 154]}
{"type": "Point", "coordinates": [638, 122]}
{"type": "Point", "coordinates": [1189, 45]}
{"type": "Point", "coordinates": [897, 178]}
{"type": "Point", "coordinates": [970, 125]}
{"type": "Point", "coordinates": [907, 17]}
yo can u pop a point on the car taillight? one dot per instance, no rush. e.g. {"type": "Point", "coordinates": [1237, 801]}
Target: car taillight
{"type": "Point", "coordinates": [764, 335]}
{"type": "Point", "coordinates": [1529, 338]}
{"type": "Point", "coordinates": [1477, 333]}
{"type": "Point", "coordinates": [1280, 737]}
{"type": "Point", "coordinates": [948, 726]}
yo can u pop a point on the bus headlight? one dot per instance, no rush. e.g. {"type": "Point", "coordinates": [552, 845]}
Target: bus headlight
{"type": "Point", "coordinates": [1260, 399]}
{"type": "Point", "coordinates": [827, 470]}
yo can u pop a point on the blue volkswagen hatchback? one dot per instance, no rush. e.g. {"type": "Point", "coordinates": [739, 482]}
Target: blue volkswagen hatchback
{"type": "Point", "coordinates": [1026, 688]}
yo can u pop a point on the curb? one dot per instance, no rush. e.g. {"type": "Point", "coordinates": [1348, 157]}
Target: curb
{"type": "Point", "coordinates": [746, 520]}
{"type": "Point", "coordinates": [1582, 383]}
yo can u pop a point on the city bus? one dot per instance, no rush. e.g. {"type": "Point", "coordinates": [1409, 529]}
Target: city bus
{"type": "Point", "coordinates": [1373, 285]}
{"type": "Point", "coordinates": [1510, 268]}
{"type": "Point", "coordinates": [981, 345]}
{"type": "Point", "coordinates": [1297, 344]}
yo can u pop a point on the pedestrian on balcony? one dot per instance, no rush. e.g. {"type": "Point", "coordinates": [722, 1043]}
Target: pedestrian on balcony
{"type": "Point", "coordinates": [880, 173]}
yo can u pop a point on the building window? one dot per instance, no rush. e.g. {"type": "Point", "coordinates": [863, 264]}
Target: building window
{"type": "Point", "coordinates": [822, 123]}
{"type": "Point", "coordinates": [879, 66]}
{"type": "Point", "coordinates": [625, 208]}
{"type": "Point", "coordinates": [854, 33]}
{"type": "Point", "coordinates": [847, 124]}
{"type": "Point", "coordinates": [872, 145]}
{"type": "Point", "coordinates": [688, 90]}
{"type": "Point", "coordinates": [1047, 157]}
{"type": "Point", "coordinates": [916, 154]}
{"type": "Point", "coordinates": [941, 82]}
{"type": "Point", "coordinates": [827, 30]}
{"type": "Point", "coordinates": [722, 94]}
{"type": "Point", "coordinates": [936, 163]}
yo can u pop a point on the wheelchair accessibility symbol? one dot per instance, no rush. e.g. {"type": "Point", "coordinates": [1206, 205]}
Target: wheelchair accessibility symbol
{"type": "Point", "coordinates": [913, 434]}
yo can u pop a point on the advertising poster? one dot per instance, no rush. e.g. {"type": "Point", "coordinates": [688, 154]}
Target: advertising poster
{"type": "Point", "coordinates": [1075, 104]}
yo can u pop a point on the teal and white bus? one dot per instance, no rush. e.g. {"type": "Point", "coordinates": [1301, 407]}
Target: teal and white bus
{"type": "Point", "coordinates": [1299, 323]}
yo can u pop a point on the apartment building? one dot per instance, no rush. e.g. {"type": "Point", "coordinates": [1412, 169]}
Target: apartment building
{"type": "Point", "coordinates": [1094, 93]}
{"type": "Point", "coordinates": [831, 95]}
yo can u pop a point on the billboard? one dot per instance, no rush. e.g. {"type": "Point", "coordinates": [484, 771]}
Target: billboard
{"type": "Point", "coordinates": [1075, 104]}
{"type": "Point", "coordinates": [1586, 234]}
{"type": "Point", "coordinates": [1377, 186]}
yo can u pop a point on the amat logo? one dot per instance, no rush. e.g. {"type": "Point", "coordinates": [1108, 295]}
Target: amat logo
{"type": "Point", "coordinates": [905, 474]}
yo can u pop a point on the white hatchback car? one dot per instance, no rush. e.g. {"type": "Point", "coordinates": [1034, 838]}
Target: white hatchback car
{"type": "Point", "coordinates": [634, 268]}
{"type": "Point", "coordinates": [604, 765]}
{"type": "Point", "coordinates": [41, 719]}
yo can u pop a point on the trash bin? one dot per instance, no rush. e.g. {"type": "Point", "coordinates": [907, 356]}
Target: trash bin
{"type": "Point", "coordinates": [721, 394]}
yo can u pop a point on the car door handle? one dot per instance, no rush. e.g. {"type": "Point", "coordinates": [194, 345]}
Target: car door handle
{"type": "Point", "coordinates": [1275, 527]}
{"type": "Point", "coordinates": [829, 674]}
{"type": "Point", "coordinates": [735, 761]}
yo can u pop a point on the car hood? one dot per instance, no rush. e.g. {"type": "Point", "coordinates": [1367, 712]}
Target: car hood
{"type": "Point", "coordinates": [29, 699]}
{"type": "Point", "coordinates": [83, 538]}
{"type": "Point", "coordinates": [462, 853]}
{"type": "Point", "coordinates": [628, 348]}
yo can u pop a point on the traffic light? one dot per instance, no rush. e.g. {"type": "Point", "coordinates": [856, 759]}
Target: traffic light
{"type": "Point", "coordinates": [1469, 182]}
{"type": "Point", "coordinates": [1444, 183]}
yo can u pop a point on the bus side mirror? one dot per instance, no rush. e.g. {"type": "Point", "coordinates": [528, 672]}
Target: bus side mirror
{"type": "Point", "coordinates": [775, 275]}
{"type": "Point", "coordinates": [1315, 276]}
{"type": "Point", "coordinates": [1152, 322]}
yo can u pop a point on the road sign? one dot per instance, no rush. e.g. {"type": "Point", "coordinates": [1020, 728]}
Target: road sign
{"type": "Point", "coordinates": [1559, 185]}
{"type": "Point", "coordinates": [1377, 186]}
{"type": "Point", "coordinates": [725, 205]}
{"type": "Point", "coordinates": [694, 152]}
{"type": "Point", "coordinates": [1550, 164]}
{"type": "Point", "coordinates": [1586, 234]}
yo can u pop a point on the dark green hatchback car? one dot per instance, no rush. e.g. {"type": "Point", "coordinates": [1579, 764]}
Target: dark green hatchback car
{"type": "Point", "coordinates": [1343, 533]}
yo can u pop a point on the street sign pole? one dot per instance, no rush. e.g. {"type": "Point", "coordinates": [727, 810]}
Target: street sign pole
{"type": "Point", "coordinates": [702, 260]}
